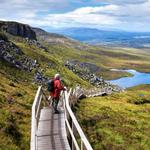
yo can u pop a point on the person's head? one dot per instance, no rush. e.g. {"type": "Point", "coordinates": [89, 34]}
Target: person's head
{"type": "Point", "coordinates": [57, 76]}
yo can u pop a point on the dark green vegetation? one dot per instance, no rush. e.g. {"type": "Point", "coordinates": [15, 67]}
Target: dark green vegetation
{"type": "Point", "coordinates": [3, 36]}
{"type": "Point", "coordinates": [16, 97]}
{"type": "Point", "coordinates": [17, 86]}
{"type": "Point", "coordinates": [119, 121]}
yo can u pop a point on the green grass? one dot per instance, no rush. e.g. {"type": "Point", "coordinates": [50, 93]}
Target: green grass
{"type": "Point", "coordinates": [116, 122]}
{"type": "Point", "coordinates": [120, 58]}
{"type": "Point", "coordinates": [112, 122]}
{"type": "Point", "coordinates": [52, 64]}
{"type": "Point", "coordinates": [16, 97]}
{"type": "Point", "coordinates": [17, 92]}
{"type": "Point", "coordinates": [106, 58]}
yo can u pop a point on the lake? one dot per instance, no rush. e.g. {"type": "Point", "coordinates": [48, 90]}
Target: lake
{"type": "Point", "coordinates": [137, 79]}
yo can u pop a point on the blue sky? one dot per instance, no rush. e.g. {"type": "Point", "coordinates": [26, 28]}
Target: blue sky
{"type": "Point", "coordinates": [129, 15]}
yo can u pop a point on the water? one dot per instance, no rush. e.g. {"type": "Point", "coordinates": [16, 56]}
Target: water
{"type": "Point", "coordinates": [137, 79]}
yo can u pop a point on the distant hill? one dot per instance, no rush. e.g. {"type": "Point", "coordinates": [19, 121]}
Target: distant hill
{"type": "Point", "coordinates": [55, 38]}
{"type": "Point", "coordinates": [102, 37]}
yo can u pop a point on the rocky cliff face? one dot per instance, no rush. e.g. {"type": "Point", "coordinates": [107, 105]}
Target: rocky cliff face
{"type": "Point", "coordinates": [12, 54]}
{"type": "Point", "coordinates": [18, 29]}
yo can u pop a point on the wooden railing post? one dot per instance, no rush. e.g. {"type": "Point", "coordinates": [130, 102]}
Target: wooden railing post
{"type": "Point", "coordinates": [81, 145]}
{"type": "Point", "coordinates": [35, 118]}
{"type": "Point", "coordinates": [73, 146]}
{"type": "Point", "coordinates": [75, 127]}
{"type": "Point", "coordinates": [72, 128]}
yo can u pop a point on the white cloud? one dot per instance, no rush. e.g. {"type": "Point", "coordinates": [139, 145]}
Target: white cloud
{"type": "Point", "coordinates": [136, 16]}
{"type": "Point", "coordinates": [122, 2]}
{"type": "Point", "coordinates": [17, 9]}
{"type": "Point", "coordinates": [89, 10]}
{"type": "Point", "coordinates": [83, 16]}
{"type": "Point", "coordinates": [122, 14]}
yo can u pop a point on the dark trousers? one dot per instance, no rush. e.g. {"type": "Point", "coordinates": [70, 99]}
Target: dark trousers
{"type": "Point", "coordinates": [55, 102]}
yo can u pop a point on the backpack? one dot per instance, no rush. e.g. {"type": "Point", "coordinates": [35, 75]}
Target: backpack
{"type": "Point", "coordinates": [50, 86]}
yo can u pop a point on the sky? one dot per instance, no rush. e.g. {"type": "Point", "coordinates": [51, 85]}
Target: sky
{"type": "Point", "coordinates": [128, 15]}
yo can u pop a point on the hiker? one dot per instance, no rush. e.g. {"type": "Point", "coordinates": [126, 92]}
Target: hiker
{"type": "Point", "coordinates": [55, 94]}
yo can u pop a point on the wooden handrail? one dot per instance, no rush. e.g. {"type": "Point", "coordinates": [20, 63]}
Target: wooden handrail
{"type": "Point", "coordinates": [36, 109]}
{"type": "Point", "coordinates": [69, 115]}
{"type": "Point", "coordinates": [33, 120]}
{"type": "Point", "coordinates": [85, 145]}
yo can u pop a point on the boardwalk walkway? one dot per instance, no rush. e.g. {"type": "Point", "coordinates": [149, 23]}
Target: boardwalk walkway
{"type": "Point", "coordinates": [51, 133]}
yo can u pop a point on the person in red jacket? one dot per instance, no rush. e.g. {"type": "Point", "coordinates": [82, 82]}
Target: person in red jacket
{"type": "Point", "coordinates": [58, 87]}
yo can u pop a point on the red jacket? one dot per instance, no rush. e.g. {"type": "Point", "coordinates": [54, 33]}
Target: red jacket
{"type": "Point", "coordinates": [57, 88]}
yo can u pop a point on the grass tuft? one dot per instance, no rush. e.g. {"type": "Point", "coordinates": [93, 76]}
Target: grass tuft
{"type": "Point", "coordinates": [114, 123]}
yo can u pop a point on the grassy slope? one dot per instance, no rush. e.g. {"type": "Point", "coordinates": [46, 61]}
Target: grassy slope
{"type": "Point", "coordinates": [120, 58]}
{"type": "Point", "coordinates": [56, 61]}
{"type": "Point", "coordinates": [118, 121]}
{"type": "Point", "coordinates": [15, 118]}
{"type": "Point", "coordinates": [106, 58]}
{"type": "Point", "coordinates": [17, 83]}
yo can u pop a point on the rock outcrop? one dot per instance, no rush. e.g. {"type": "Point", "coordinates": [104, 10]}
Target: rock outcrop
{"type": "Point", "coordinates": [40, 78]}
{"type": "Point", "coordinates": [102, 87]}
{"type": "Point", "coordinates": [85, 73]}
{"type": "Point", "coordinates": [18, 29]}
{"type": "Point", "coordinates": [90, 67]}
{"type": "Point", "coordinates": [36, 43]}
{"type": "Point", "coordinates": [12, 54]}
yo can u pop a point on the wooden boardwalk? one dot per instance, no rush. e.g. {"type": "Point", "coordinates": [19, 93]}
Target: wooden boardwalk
{"type": "Point", "coordinates": [51, 133]}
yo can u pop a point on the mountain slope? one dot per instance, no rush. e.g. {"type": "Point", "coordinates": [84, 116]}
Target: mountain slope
{"type": "Point", "coordinates": [105, 58]}
{"type": "Point", "coordinates": [26, 62]}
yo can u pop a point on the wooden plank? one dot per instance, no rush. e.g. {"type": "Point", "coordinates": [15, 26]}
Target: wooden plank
{"type": "Point", "coordinates": [51, 133]}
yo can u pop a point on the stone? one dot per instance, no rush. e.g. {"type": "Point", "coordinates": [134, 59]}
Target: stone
{"type": "Point", "coordinates": [14, 55]}
{"type": "Point", "coordinates": [103, 88]}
